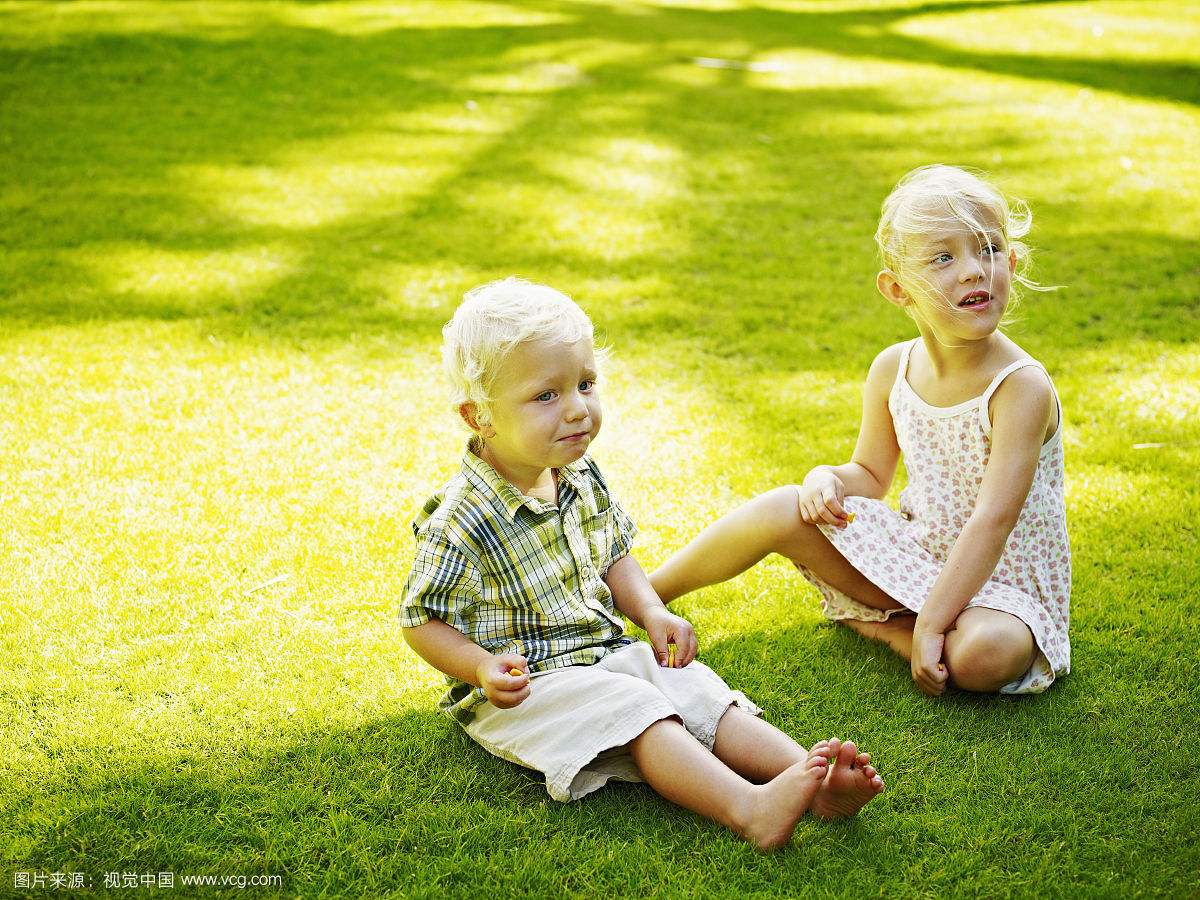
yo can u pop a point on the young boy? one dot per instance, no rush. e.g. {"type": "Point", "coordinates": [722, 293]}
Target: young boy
{"type": "Point", "coordinates": [522, 565]}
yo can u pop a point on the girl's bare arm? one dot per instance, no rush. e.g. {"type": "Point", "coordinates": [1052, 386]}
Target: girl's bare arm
{"type": "Point", "coordinates": [1022, 412]}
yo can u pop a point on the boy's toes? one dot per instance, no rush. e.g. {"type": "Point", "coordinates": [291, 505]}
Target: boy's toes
{"type": "Point", "coordinates": [847, 754]}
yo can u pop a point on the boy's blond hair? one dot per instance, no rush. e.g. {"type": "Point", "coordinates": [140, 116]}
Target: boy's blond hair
{"type": "Point", "coordinates": [493, 319]}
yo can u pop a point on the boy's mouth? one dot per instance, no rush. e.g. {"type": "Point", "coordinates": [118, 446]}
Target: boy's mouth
{"type": "Point", "coordinates": [577, 436]}
{"type": "Point", "coordinates": [975, 298]}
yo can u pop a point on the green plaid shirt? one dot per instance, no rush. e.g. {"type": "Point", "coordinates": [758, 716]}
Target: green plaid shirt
{"type": "Point", "coordinates": [518, 574]}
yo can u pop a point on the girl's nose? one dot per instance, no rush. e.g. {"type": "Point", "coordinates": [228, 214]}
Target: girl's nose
{"type": "Point", "coordinates": [971, 269]}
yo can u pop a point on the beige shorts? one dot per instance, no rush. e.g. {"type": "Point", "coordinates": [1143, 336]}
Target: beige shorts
{"type": "Point", "coordinates": [575, 724]}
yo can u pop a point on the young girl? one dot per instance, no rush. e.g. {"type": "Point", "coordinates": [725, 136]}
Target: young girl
{"type": "Point", "coordinates": [978, 550]}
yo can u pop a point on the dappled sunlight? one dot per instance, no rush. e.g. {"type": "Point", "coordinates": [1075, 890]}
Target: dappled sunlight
{"type": "Point", "coordinates": [45, 22]}
{"type": "Point", "coordinates": [640, 172]}
{"type": "Point", "coordinates": [189, 274]}
{"type": "Point", "coordinates": [1144, 392]}
{"type": "Point", "coordinates": [533, 78]}
{"type": "Point", "coordinates": [358, 18]}
{"type": "Point", "coordinates": [312, 184]}
{"type": "Point", "coordinates": [1093, 487]}
{"type": "Point", "coordinates": [1167, 394]}
{"type": "Point", "coordinates": [800, 69]}
{"type": "Point", "coordinates": [422, 287]}
{"type": "Point", "coordinates": [664, 451]}
{"type": "Point", "coordinates": [1114, 31]}
{"type": "Point", "coordinates": [552, 220]}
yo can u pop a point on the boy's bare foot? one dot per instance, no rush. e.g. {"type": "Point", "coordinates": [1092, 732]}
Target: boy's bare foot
{"type": "Point", "coordinates": [774, 808]}
{"type": "Point", "coordinates": [851, 784]}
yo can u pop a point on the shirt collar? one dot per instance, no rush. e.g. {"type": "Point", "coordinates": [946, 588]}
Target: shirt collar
{"type": "Point", "coordinates": [502, 491]}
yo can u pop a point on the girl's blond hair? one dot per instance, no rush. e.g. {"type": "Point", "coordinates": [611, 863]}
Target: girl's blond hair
{"type": "Point", "coordinates": [930, 198]}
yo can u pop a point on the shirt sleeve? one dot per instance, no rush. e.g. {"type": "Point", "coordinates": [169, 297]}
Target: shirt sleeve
{"type": "Point", "coordinates": [442, 584]}
{"type": "Point", "coordinates": [624, 531]}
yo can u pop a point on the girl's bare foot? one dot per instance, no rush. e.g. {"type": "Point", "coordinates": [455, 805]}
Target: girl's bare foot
{"type": "Point", "coordinates": [773, 809]}
{"type": "Point", "coordinates": [896, 632]}
{"type": "Point", "coordinates": [851, 784]}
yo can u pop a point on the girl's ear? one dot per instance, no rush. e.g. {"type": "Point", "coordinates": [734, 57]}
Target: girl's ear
{"type": "Point", "coordinates": [1012, 261]}
{"type": "Point", "coordinates": [893, 292]}
{"type": "Point", "coordinates": [470, 414]}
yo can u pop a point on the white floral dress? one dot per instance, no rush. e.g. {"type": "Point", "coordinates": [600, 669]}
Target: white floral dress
{"type": "Point", "coordinates": [945, 451]}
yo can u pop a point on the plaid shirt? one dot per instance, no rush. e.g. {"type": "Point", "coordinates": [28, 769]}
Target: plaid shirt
{"type": "Point", "coordinates": [518, 574]}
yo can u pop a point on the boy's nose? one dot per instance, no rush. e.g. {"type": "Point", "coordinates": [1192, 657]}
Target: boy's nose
{"type": "Point", "coordinates": [576, 409]}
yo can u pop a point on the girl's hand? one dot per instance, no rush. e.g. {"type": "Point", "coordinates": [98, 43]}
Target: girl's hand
{"type": "Point", "coordinates": [821, 497]}
{"type": "Point", "coordinates": [928, 671]}
{"type": "Point", "coordinates": [664, 627]}
{"type": "Point", "coordinates": [503, 689]}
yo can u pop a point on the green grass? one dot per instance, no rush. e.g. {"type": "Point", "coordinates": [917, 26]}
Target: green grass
{"type": "Point", "coordinates": [232, 232]}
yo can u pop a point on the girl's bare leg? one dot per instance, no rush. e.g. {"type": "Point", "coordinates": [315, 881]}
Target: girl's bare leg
{"type": "Point", "coordinates": [770, 523]}
{"type": "Point", "coordinates": [985, 649]}
{"type": "Point", "coordinates": [683, 771]}
{"type": "Point", "coordinates": [896, 632]}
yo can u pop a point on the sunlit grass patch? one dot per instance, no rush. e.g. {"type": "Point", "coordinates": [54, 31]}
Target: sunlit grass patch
{"type": "Point", "coordinates": [1105, 30]}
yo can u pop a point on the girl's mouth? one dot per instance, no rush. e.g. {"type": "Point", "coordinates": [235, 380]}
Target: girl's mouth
{"type": "Point", "coordinates": [975, 298]}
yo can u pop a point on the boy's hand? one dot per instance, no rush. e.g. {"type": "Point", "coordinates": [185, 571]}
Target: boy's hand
{"type": "Point", "coordinates": [821, 497]}
{"type": "Point", "coordinates": [664, 627]}
{"type": "Point", "coordinates": [503, 689]}
{"type": "Point", "coordinates": [928, 671]}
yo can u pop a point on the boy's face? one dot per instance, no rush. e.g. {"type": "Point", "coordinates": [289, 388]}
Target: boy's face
{"type": "Point", "coordinates": [545, 410]}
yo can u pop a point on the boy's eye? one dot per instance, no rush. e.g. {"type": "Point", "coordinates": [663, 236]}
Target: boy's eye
{"type": "Point", "coordinates": [545, 396]}
{"type": "Point", "coordinates": [586, 386]}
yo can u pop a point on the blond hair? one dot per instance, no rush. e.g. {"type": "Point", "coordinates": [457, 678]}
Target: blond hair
{"type": "Point", "coordinates": [493, 319]}
{"type": "Point", "coordinates": [930, 198]}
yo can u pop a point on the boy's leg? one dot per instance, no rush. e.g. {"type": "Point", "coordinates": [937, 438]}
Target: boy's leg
{"type": "Point", "coordinates": [754, 748]}
{"type": "Point", "coordinates": [683, 771]}
{"type": "Point", "coordinates": [770, 523]}
{"type": "Point", "coordinates": [758, 750]}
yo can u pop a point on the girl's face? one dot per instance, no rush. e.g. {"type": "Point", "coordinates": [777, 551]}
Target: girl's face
{"type": "Point", "coordinates": [957, 281]}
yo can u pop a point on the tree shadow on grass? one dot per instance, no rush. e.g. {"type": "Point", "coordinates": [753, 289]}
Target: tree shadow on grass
{"type": "Point", "coordinates": [215, 103]}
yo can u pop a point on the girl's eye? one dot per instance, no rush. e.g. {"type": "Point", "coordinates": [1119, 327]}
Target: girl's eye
{"type": "Point", "coordinates": [545, 396]}
{"type": "Point", "coordinates": [942, 258]}
{"type": "Point", "coordinates": [991, 249]}
{"type": "Point", "coordinates": [586, 386]}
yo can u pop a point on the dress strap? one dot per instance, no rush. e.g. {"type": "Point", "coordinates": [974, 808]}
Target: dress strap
{"type": "Point", "coordinates": [986, 398]}
{"type": "Point", "coordinates": [902, 368]}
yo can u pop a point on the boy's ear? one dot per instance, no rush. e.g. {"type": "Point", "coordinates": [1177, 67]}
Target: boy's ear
{"type": "Point", "coordinates": [889, 285]}
{"type": "Point", "coordinates": [470, 414]}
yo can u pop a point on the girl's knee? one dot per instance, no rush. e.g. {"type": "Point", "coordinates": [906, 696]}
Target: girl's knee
{"type": "Point", "coordinates": [984, 657]}
{"type": "Point", "coordinates": [779, 509]}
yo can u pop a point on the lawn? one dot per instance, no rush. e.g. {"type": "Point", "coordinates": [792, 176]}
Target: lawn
{"type": "Point", "coordinates": [231, 234]}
